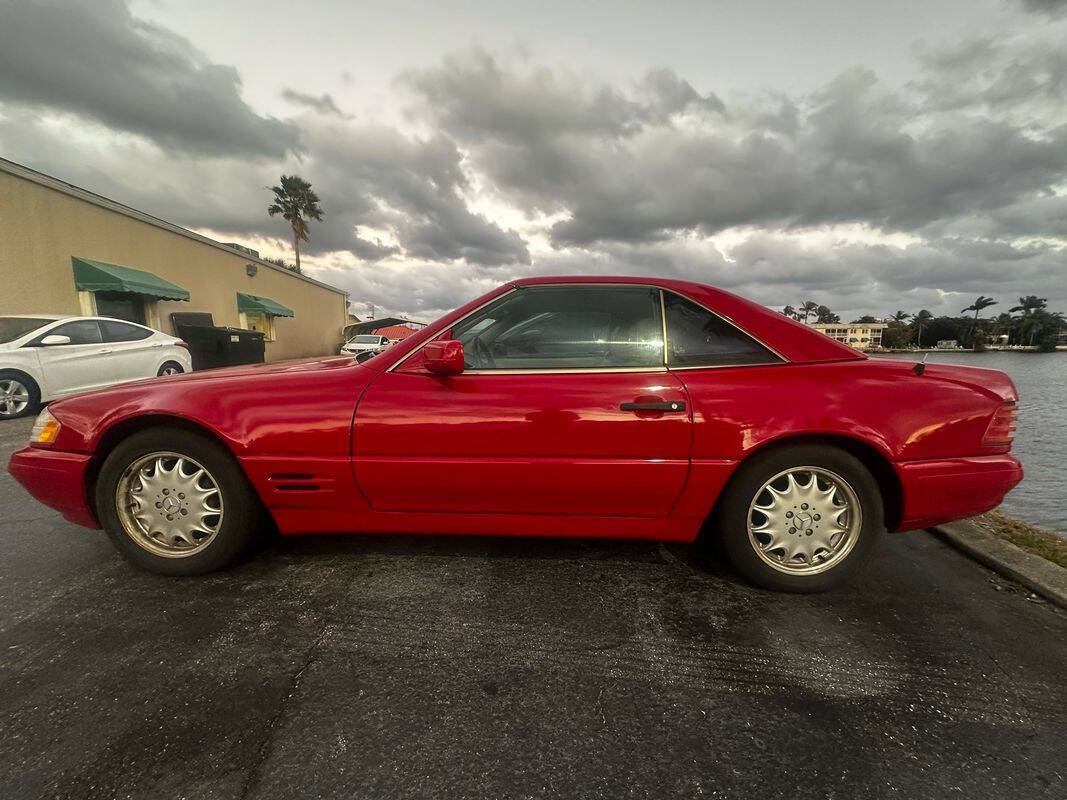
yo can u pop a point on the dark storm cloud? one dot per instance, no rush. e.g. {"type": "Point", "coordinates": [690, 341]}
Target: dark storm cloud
{"type": "Point", "coordinates": [98, 61]}
{"type": "Point", "coordinates": [1054, 8]}
{"type": "Point", "coordinates": [955, 182]}
{"type": "Point", "coordinates": [661, 159]}
{"type": "Point", "coordinates": [376, 177]}
{"type": "Point", "coordinates": [323, 104]}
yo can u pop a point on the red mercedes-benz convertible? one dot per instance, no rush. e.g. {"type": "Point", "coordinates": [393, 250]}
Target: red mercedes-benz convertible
{"type": "Point", "coordinates": [609, 407]}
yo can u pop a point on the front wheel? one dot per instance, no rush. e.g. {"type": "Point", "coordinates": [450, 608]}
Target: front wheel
{"type": "Point", "coordinates": [801, 518]}
{"type": "Point", "coordinates": [19, 395]}
{"type": "Point", "coordinates": [176, 503]}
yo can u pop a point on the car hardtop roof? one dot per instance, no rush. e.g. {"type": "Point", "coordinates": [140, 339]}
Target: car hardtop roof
{"type": "Point", "coordinates": [794, 341]}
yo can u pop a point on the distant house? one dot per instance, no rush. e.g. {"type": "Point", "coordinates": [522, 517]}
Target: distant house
{"type": "Point", "coordinates": [395, 332]}
{"type": "Point", "coordinates": [860, 335]}
{"type": "Point", "coordinates": [948, 344]}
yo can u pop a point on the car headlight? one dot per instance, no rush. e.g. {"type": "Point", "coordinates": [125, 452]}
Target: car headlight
{"type": "Point", "coordinates": [45, 429]}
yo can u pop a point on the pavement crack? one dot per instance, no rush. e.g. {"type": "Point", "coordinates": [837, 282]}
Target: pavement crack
{"type": "Point", "coordinates": [263, 751]}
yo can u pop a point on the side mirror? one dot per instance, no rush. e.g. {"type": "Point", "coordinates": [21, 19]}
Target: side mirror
{"type": "Point", "coordinates": [444, 357]}
{"type": "Point", "coordinates": [53, 339]}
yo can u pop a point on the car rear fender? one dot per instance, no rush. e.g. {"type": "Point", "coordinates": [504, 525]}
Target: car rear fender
{"type": "Point", "coordinates": [872, 456]}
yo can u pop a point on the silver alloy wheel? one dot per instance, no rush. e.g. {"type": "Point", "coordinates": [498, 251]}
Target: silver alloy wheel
{"type": "Point", "coordinates": [804, 520]}
{"type": "Point", "coordinates": [14, 397]}
{"type": "Point", "coordinates": [169, 504]}
{"type": "Point", "coordinates": [170, 369]}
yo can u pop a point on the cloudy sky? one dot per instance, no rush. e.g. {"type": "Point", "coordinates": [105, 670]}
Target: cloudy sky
{"type": "Point", "coordinates": [869, 156]}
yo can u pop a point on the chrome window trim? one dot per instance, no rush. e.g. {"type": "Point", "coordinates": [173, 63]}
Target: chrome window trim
{"type": "Point", "coordinates": [591, 370]}
{"type": "Point", "coordinates": [565, 371]}
{"type": "Point", "coordinates": [663, 322]}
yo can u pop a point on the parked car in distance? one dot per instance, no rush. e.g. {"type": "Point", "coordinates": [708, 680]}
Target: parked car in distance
{"type": "Point", "coordinates": [635, 408]}
{"type": "Point", "coordinates": [45, 357]}
{"type": "Point", "coordinates": [364, 342]}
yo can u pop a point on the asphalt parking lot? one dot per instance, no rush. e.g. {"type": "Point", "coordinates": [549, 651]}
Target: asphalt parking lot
{"type": "Point", "coordinates": [373, 666]}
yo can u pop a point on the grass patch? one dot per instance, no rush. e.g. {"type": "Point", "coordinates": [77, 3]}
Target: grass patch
{"type": "Point", "coordinates": [1031, 538]}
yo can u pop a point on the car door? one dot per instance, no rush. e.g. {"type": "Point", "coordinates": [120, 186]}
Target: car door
{"type": "Point", "coordinates": [565, 406]}
{"type": "Point", "coordinates": [134, 350]}
{"type": "Point", "coordinates": [82, 364]}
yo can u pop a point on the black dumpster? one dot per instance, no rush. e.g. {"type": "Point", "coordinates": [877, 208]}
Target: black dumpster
{"type": "Point", "coordinates": [215, 345]}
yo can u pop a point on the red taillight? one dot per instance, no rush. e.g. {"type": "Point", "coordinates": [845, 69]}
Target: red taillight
{"type": "Point", "coordinates": [1001, 427]}
{"type": "Point", "coordinates": [180, 343]}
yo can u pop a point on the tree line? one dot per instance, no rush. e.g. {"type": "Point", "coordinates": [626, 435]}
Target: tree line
{"type": "Point", "coordinates": [1029, 323]}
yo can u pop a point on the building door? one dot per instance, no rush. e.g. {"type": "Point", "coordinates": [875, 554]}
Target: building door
{"type": "Point", "coordinates": [121, 305]}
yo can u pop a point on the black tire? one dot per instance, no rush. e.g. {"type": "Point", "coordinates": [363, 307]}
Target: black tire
{"type": "Point", "coordinates": [732, 516]}
{"type": "Point", "coordinates": [174, 365]}
{"type": "Point", "coordinates": [243, 519]}
{"type": "Point", "coordinates": [32, 389]}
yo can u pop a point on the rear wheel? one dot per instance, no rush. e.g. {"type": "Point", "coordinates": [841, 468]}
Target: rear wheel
{"type": "Point", "coordinates": [176, 503]}
{"type": "Point", "coordinates": [19, 394]}
{"type": "Point", "coordinates": [801, 518]}
{"type": "Point", "coordinates": [170, 368]}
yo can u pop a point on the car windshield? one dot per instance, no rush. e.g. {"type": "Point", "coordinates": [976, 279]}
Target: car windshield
{"type": "Point", "coordinates": [363, 340]}
{"type": "Point", "coordinates": [11, 328]}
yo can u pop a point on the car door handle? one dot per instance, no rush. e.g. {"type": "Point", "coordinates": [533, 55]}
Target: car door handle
{"type": "Point", "coordinates": [104, 350]}
{"type": "Point", "coordinates": [664, 405]}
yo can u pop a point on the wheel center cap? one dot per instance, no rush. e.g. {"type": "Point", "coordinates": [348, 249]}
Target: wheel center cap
{"type": "Point", "coordinates": [803, 519]}
{"type": "Point", "coordinates": [171, 504]}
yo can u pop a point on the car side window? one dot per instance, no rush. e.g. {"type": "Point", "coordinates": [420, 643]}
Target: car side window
{"type": "Point", "coordinates": [698, 338]}
{"type": "Point", "coordinates": [565, 327]}
{"type": "Point", "coordinates": [122, 332]}
{"type": "Point", "coordinates": [82, 331]}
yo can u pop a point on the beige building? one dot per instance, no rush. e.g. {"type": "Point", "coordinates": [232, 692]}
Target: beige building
{"type": "Point", "coordinates": [861, 335]}
{"type": "Point", "coordinates": [64, 250]}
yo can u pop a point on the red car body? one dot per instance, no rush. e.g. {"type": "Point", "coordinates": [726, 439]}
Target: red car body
{"type": "Point", "coordinates": [335, 446]}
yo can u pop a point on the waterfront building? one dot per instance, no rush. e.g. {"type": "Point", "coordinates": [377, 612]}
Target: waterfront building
{"type": "Point", "coordinates": [860, 335]}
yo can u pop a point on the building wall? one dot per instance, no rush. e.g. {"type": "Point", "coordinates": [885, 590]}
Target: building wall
{"type": "Point", "coordinates": [41, 228]}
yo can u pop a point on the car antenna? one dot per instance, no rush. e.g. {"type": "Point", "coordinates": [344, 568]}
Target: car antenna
{"type": "Point", "coordinates": [920, 368]}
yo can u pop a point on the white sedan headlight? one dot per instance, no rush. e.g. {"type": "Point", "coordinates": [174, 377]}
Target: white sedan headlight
{"type": "Point", "coordinates": [45, 429]}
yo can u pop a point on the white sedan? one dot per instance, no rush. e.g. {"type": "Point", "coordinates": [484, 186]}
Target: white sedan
{"type": "Point", "coordinates": [45, 357]}
{"type": "Point", "coordinates": [365, 342]}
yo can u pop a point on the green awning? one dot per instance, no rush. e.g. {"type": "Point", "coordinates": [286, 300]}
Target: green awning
{"type": "Point", "coordinates": [250, 302]}
{"type": "Point", "coordinates": [97, 276]}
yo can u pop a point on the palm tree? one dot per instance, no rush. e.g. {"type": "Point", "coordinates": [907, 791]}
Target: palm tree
{"type": "Point", "coordinates": [810, 307]}
{"type": "Point", "coordinates": [1044, 325]}
{"type": "Point", "coordinates": [900, 316]}
{"type": "Point", "coordinates": [298, 205]}
{"type": "Point", "coordinates": [1029, 305]}
{"type": "Point", "coordinates": [826, 316]}
{"type": "Point", "coordinates": [1004, 323]}
{"type": "Point", "coordinates": [982, 302]}
{"type": "Point", "coordinates": [921, 319]}
{"type": "Point", "coordinates": [789, 311]}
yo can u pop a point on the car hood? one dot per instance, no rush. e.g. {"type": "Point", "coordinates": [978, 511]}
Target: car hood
{"type": "Point", "coordinates": [279, 367]}
{"type": "Point", "coordinates": [209, 379]}
{"type": "Point", "coordinates": [221, 400]}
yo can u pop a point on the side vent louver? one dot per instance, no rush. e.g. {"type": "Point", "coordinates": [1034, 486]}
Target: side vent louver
{"type": "Point", "coordinates": [294, 482]}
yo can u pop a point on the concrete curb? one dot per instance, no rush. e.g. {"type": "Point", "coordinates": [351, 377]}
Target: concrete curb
{"type": "Point", "coordinates": [1032, 571]}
